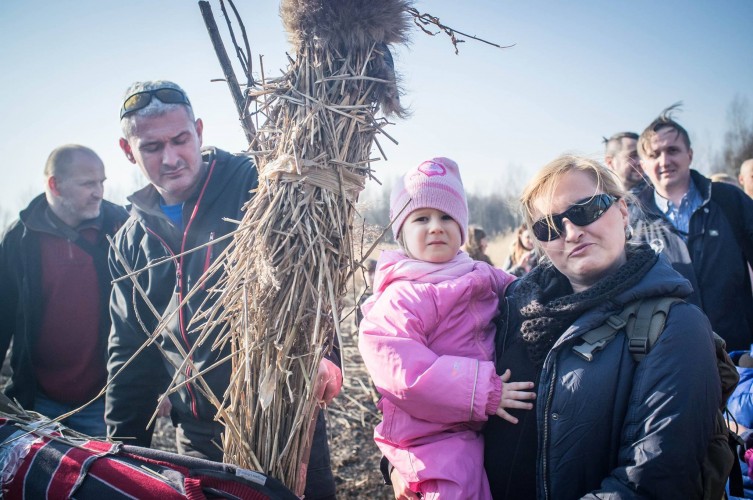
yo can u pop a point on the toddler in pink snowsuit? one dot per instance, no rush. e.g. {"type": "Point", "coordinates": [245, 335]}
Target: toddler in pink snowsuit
{"type": "Point", "coordinates": [427, 339]}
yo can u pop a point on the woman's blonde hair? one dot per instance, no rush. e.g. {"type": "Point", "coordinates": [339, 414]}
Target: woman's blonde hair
{"type": "Point", "coordinates": [545, 182]}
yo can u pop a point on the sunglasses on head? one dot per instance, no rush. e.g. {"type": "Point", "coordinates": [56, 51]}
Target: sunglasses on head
{"type": "Point", "coordinates": [140, 100]}
{"type": "Point", "coordinates": [582, 213]}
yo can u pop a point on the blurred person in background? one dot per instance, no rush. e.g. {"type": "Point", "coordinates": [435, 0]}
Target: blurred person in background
{"type": "Point", "coordinates": [621, 156]}
{"type": "Point", "coordinates": [746, 177]}
{"type": "Point", "coordinates": [523, 255]}
{"type": "Point", "coordinates": [477, 244]}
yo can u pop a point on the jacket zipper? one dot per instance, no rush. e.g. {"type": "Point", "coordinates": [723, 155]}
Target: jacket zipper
{"type": "Point", "coordinates": [183, 333]}
{"type": "Point", "coordinates": [545, 438]}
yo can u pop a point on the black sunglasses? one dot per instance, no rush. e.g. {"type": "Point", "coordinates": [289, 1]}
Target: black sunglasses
{"type": "Point", "coordinates": [582, 213]}
{"type": "Point", "coordinates": [140, 100]}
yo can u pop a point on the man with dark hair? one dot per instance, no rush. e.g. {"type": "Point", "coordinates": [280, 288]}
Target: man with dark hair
{"type": "Point", "coordinates": [55, 289]}
{"type": "Point", "coordinates": [621, 156]}
{"type": "Point", "coordinates": [714, 219]}
{"type": "Point", "coordinates": [191, 200]}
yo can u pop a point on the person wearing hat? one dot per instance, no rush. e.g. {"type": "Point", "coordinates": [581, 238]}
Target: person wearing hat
{"type": "Point", "coordinates": [427, 339]}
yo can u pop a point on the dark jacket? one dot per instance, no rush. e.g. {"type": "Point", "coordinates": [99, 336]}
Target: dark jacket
{"type": "Point", "coordinates": [718, 264]}
{"type": "Point", "coordinates": [21, 285]}
{"type": "Point", "coordinates": [149, 237]}
{"type": "Point", "coordinates": [611, 427]}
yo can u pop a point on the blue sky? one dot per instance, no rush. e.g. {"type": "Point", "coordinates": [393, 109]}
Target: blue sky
{"type": "Point", "coordinates": [579, 70]}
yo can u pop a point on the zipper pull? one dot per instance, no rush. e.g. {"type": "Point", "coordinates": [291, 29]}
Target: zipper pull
{"type": "Point", "coordinates": [178, 277]}
{"type": "Point", "coordinates": [210, 252]}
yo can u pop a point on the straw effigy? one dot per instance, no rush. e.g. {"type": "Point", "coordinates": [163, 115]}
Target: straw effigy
{"type": "Point", "coordinates": [279, 300]}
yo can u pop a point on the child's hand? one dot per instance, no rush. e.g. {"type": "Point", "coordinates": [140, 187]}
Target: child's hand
{"type": "Point", "coordinates": [514, 395]}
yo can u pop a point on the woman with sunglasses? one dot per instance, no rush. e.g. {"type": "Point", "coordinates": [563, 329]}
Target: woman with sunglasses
{"type": "Point", "coordinates": [609, 427]}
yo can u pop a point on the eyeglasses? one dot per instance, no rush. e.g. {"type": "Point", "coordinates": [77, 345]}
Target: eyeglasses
{"type": "Point", "coordinates": [140, 100]}
{"type": "Point", "coordinates": [582, 213]}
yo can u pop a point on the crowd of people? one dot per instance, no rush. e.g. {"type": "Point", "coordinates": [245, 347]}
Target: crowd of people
{"type": "Point", "coordinates": [590, 396]}
{"type": "Point", "coordinates": [493, 382]}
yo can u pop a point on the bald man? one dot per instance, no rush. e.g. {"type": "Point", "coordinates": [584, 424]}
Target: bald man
{"type": "Point", "coordinates": [55, 289]}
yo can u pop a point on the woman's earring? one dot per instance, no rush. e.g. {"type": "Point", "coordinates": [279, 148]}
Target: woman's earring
{"type": "Point", "coordinates": [628, 232]}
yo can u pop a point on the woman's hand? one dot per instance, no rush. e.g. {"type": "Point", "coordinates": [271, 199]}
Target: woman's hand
{"type": "Point", "coordinates": [400, 487]}
{"type": "Point", "coordinates": [514, 395]}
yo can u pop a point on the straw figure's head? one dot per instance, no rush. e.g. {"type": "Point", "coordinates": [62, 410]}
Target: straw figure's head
{"type": "Point", "coordinates": [433, 185]}
{"type": "Point", "coordinates": [347, 26]}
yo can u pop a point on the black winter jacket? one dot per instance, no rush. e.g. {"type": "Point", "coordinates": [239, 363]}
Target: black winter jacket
{"type": "Point", "coordinates": [149, 237]}
{"type": "Point", "coordinates": [21, 285]}
{"type": "Point", "coordinates": [611, 427]}
{"type": "Point", "coordinates": [718, 263]}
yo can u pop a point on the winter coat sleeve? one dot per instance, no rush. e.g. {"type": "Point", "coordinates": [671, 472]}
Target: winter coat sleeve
{"type": "Point", "coordinates": [502, 280]}
{"type": "Point", "coordinates": [134, 385]}
{"type": "Point", "coordinates": [670, 419]}
{"type": "Point", "coordinates": [441, 389]}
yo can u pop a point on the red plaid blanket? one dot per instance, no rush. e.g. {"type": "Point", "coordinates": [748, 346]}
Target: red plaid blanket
{"type": "Point", "coordinates": [47, 464]}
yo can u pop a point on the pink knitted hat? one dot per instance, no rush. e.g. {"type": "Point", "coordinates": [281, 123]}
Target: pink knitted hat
{"type": "Point", "coordinates": [433, 184]}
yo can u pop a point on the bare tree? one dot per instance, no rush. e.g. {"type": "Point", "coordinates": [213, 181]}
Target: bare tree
{"type": "Point", "coordinates": [738, 140]}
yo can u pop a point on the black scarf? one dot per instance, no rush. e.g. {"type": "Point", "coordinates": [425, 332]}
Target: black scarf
{"type": "Point", "coordinates": [549, 305]}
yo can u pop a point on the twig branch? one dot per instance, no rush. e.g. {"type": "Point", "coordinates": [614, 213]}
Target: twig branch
{"type": "Point", "coordinates": [227, 68]}
{"type": "Point", "coordinates": [426, 19]}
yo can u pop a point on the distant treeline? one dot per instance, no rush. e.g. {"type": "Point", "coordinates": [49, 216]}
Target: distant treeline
{"type": "Point", "coordinates": [495, 213]}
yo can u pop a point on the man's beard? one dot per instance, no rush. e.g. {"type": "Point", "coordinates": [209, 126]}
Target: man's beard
{"type": "Point", "coordinates": [89, 212]}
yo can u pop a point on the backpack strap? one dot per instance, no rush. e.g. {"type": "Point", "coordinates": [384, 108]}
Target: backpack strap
{"type": "Point", "coordinates": [643, 321]}
{"type": "Point", "coordinates": [644, 328]}
{"type": "Point", "coordinates": [595, 340]}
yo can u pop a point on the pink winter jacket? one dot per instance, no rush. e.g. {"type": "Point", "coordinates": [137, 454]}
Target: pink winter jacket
{"type": "Point", "coordinates": [427, 339]}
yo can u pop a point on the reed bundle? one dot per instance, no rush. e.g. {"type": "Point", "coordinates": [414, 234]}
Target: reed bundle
{"type": "Point", "coordinates": [286, 271]}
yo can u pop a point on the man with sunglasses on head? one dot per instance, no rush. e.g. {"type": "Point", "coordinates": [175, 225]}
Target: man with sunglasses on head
{"type": "Point", "coordinates": [713, 219]}
{"type": "Point", "coordinates": [191, 200]}
{"type": "Point", "coordinates": [55, 290]}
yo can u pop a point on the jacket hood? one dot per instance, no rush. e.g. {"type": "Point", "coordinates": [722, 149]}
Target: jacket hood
{"type": "Point", "coordinates": [702, 183]}
{"type": "Point", "coordinates": [395, 265]}
{"type": "Point", "coordinates": [660, 280]}
{"type": "Point", "coordinates": [39, 217]}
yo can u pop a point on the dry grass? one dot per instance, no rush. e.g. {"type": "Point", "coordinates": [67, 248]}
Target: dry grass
{"type": "Point", "coordinates": [499, 248]}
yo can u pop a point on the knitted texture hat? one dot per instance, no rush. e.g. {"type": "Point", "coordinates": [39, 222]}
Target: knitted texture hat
{"type": "Point", "coordinates": [434, 184]}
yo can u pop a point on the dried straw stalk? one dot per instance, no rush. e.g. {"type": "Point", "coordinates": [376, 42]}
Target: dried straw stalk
{"type": "Point", "coordinates": [279, 299]}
